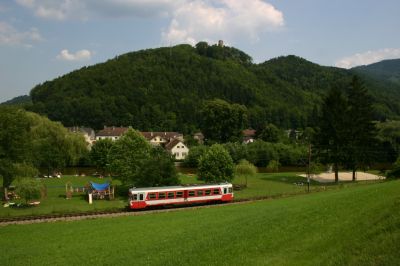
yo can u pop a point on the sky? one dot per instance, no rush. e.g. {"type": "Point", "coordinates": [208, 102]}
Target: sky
{"type": "Point", "coordinates": [43, 39]}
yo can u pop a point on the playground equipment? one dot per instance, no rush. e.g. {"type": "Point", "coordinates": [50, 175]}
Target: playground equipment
{"type": "Point", "coordinates": [97, 191]}
{"type": "Point", "coordinates": [102, 191]}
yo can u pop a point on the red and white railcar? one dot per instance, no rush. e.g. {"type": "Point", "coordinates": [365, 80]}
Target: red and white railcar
{"type": "Point", "coordinates": [140, 198]}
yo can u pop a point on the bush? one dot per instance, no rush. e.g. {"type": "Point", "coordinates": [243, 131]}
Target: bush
{"type": "Point", "coordinates": [273, 166]}
{"type": "Point", "coordinates": [29, 189]}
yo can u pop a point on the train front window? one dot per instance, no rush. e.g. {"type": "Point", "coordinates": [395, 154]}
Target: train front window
{"type": "Point", "coordinates": [141, 196]}
{"type": "Point", "coordinates": [230, 190]}
{"type": "Point", "coordinates": [134, 196]}
{"type": "Point", "coordinates": [225, 190]}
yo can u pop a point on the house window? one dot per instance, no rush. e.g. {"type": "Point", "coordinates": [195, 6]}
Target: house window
{"type": "Point", "coordinates": [184, 154]}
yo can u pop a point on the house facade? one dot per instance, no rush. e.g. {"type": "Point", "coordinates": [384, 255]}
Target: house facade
{"type": "Point", "coordinates": [177, 149]}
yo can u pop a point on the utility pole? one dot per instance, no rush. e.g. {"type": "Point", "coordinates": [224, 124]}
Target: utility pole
{"type": "Point", "coordinates": [308, 168]}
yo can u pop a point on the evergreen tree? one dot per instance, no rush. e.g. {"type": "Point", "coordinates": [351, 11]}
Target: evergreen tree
{"type": "Point", "coordinates": [331, 139]}
{"type": "Point", "coordinates": [361, 130]}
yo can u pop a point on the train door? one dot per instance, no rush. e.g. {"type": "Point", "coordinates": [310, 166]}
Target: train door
{"type": "Point", "coordinates": [140, 196]}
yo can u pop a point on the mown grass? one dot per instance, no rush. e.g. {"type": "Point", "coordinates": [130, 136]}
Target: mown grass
{"type": "Point", "coordinates": [355, 226]}
{"type": "Point", "coordinates": [260, 185]}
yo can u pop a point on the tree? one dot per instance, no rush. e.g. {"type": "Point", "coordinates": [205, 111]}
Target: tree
{"type": "Point", "coordinates": [100, 154]}
{"type": "Point", "coordinates": [270, 133]}
{"type": "Point", "coordinates": [273, 165]}
{"type": "Point", "coordinates": [53, 146]}
{"type": "Point", "coordinates": [245, 169]}
{"type": "Point", "coordinates": [361, 130]}
{"type": "Point", "coordinates": [331, 139]}
{"type": "Point", "coordinates": [195, 153]}
{"type": "Point", "coordinates": [128, 155]}
{"type": "Point", "coordinates": [29, 189]}
{"type": "Point", "coordinates": [222, 122]}
{"type": "Point", "coordinates": [15, 143]}
{"type": "Point", "coordinates": [157, 170]}
{"type": "Point", "coordinates": [216, 165]}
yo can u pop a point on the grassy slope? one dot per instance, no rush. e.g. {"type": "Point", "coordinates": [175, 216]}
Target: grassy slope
{"type": "Point", "coordinates": [359, 225]}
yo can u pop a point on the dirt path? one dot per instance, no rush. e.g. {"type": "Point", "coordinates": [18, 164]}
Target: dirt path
{"type": "Point", "coordinates": [344, 176]}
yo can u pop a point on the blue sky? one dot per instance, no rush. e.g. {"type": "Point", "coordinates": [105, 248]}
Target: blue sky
{"type": "Point", "coordinates": [43, 39]}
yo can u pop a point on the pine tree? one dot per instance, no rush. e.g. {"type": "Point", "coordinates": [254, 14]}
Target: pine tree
{"type": "Point", "coordinates": [361, 130]}
{"type": "Point", "coordinates": [331, 137]}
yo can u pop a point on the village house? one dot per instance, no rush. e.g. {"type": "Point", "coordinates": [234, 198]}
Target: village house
{"type": "Point", "coordinates": [177, 148]}
{"type": "Point", "coordinates": [171, 141]}
{"type": "Point", "coordinates": [112, 133]}
{"type": "Point", "coordinates": [249, 135]}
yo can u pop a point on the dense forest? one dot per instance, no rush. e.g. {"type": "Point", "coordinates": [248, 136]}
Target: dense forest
{"type": "Point", "coordinates": [166, 89]}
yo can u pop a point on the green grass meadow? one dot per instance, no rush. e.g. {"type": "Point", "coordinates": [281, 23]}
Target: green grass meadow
{"type": "Point", "coordinates": [359, 225]}
{"type": "Point", "coordinates": [260, 185]}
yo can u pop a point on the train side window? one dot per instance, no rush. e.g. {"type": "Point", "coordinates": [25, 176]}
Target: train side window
{"type": "Point", "coordinates": [179, 194]}
{"type": "Point", "coordinates": [191, 193]}
{"type": "Point", "coordinates": [230, 190]}
{"type": "Point", "coordinates": [207, 192]}
{"type": "Point", "coordinates": [134, 196]}
{"type": "Point", "coordinates": [152, 196]}
{"type": "Point", "coordinates": [161, 195]}
{"type": "Point", "coordinates": [216, 191]}
{"type": "Point", "coordinates": [225, 190]}
{"type": "Point", "coordinates": [200, 193]}
{"type": "Point", "coordinates": [170, 195]}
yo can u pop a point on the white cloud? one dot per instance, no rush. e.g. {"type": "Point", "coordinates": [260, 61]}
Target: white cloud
{"type": "Point", "coordinates": [80, 55]}
{"type": "Point", "coordinates": [223, 19]}
{"type": "Point", "coordinates": [85, 9]}
{"type": "Point", "coordinates": [368, 57]}
{"type": "Point", "coordinates": [189, 20]}
{"type": "Point", "coordinates": [11, 36]}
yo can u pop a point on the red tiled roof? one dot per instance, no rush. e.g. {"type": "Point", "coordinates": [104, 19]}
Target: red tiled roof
{"type": "Point", "coordinates": [112, 131]}
{"type": "Point", "coordinates": [165, 135]}
{"type": "Point", "coordinates": [249, 133]}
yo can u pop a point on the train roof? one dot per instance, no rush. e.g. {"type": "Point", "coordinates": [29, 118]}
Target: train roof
{"type": "Point", "coordinates": [166, 188]}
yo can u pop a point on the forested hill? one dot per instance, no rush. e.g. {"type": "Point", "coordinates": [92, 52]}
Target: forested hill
{"type": "Point", "coordinates": [388, 70]}
{"type": "Point", "coordinates": [164, 89]}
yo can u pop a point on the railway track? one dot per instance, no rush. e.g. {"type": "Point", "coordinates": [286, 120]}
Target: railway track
{"type": "Point", "coordinates": [122, 212]}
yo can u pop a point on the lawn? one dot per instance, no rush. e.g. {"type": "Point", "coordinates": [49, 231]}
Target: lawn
{"type": "Point", "coordinates": [261, 185]}
{"type": "Point", "coordinates": [359, 225]}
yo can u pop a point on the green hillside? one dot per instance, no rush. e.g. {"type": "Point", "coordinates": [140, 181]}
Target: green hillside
{"type": "Point", "coordinates": [388, 70]}
{"type": "Point", "coordinates": [352, 226]}
{"type": "Point", "coordinates": [164, 88]}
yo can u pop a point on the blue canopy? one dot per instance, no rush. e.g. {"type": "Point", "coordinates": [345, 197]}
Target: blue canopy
{"type": "Point", "coordinates": [100, 186]}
